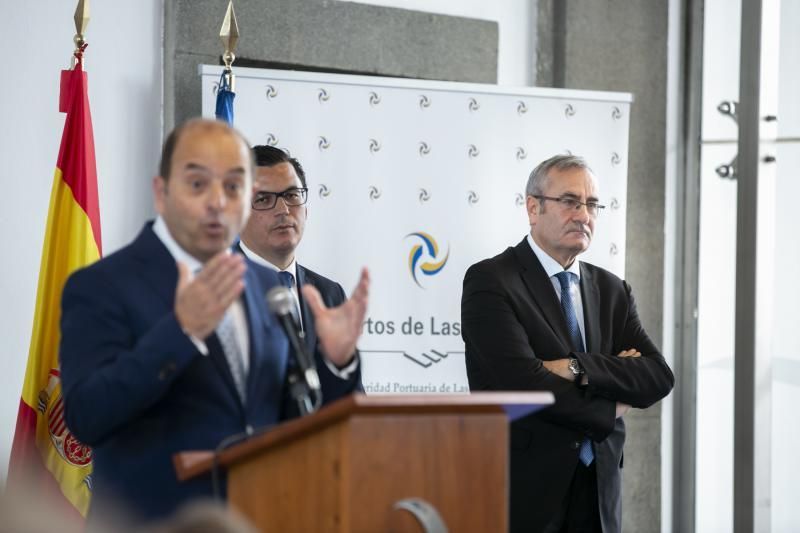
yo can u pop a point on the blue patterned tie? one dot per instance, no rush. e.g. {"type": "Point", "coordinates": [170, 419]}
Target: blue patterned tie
{"type": "Point", "coordinates": [565, 278]}
{"type": "Point", "coordinates": [286, 278]}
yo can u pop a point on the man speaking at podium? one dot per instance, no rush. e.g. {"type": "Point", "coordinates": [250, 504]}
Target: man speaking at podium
{"type": "Point", "coordinates": [167, 344]}
{"type": "Point", "coordinates": [536, 318]}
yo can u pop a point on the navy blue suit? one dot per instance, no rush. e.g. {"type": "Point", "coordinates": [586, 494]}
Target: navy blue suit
{"type": "Point", "coordinates": [333, 295]}
{"type": "Point", "coordinates": [136, 388]}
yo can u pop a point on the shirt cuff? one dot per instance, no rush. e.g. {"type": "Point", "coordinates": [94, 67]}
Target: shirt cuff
{"type": "Point", "coordinates": [343, 373]}
{"type": "Point", "coordinates": [199, 344]}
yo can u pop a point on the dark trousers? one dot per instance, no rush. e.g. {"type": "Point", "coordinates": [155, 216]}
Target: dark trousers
{"type": "Point", "coordinates": [580, 510]}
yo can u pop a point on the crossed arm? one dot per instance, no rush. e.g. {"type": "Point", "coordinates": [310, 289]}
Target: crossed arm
{"type": "Point", "coordinates": [501, 357]}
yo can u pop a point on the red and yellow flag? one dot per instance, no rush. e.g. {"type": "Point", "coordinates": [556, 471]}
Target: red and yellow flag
{"type": "Point", "coordinates": [44, 452]}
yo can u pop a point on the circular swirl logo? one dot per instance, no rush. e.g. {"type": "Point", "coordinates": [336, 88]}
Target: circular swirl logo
{"type": "Point", "coordinates": [424, 258]}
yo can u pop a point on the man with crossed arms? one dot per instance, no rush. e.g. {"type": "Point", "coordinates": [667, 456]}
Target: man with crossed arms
{"type": "Point", "coordinates": [537, 318]}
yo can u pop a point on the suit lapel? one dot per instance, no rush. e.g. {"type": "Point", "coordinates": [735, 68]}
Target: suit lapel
{"type": "Point", "coordinates": [255, 309]}
{"type": "Point", "coordinates": [591, 299]}
{"type": "Point", "coordinates": [157, 266]}
{"type": "Point", "coordinates": [307, 315]}
{"type": "Point", "coordinates": [541, 290]}
{"type": "Point", "coordinates": [217, 356]}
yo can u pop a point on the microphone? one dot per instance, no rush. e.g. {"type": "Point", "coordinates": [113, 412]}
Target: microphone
{"type": "Point", "coordinates": [282, 303]}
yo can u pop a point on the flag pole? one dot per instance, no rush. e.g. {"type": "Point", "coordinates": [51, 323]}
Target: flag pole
{"type": "Point", "coordinates": [82, 18]}
{"type": "Point", "coordinates": [229, 35]}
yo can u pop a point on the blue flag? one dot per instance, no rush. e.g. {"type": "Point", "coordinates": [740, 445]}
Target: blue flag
{"type": "Point", "coordinates": [225, 100]}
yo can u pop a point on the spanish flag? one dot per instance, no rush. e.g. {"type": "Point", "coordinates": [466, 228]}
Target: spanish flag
{"type": "Point", "coordinates": [44, 454]}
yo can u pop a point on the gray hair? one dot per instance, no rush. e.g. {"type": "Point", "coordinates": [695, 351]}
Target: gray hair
{"type": "Point", "coordinates": [538, 178]}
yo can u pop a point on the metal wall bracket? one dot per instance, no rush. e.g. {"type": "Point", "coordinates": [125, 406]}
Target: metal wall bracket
{"type": "Point", "coordinates": [729, 108]}
{"type": "Point", "coordinates": [727, 171]}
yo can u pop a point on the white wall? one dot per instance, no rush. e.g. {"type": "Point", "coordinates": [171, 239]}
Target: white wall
{"type": "Point", "coordinates": [516, 61]}
{"type": "Point", "coordinates": [125, 85]}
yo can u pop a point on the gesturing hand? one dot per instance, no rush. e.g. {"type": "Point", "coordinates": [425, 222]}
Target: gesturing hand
{"type": "Point", "coordinates": [201, 303]}
{"type": "Point", "coordinates": [339, 327]}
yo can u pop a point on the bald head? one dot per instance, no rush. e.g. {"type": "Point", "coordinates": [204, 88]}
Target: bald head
{"type": "Point", "coordinates": [202, 124]}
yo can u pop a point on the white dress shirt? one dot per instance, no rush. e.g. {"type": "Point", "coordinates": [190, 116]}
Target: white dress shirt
{"type": "Point", "coordinates": [291, 269]}
{"type": "Point", "coordinates": [236, 308]}
{"type": "Point", "coordinates": [553, 267]}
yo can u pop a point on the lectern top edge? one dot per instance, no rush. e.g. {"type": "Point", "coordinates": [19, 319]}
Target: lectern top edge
{"type": "Point", "coordinates": [190, 464]}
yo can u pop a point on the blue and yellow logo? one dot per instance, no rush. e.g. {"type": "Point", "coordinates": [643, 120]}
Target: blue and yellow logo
{"type": "Point", "coordinates": [431, 264]}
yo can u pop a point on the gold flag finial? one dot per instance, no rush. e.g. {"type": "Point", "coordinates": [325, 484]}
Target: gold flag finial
{"type": "Point", "coordinates": [229, 35]}
{"type": "Point", "coordinates": [81, 21]}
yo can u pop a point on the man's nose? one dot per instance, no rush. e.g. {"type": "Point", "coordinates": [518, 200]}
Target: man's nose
{"type": "Point", "coordinates": [281, 206]}
{"type": "Point", "coordinates": [581, 214]}
{"type": "Point", "coordinates": [216, 197]}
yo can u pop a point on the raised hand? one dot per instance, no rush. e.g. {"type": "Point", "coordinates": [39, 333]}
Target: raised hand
{"type": "Point", "coordinates": [339, 327]}
{"type": "Point", "coordinates": [200, 303]}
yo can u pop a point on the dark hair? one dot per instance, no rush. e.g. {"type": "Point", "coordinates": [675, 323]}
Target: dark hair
{"type": "Point", "coordinates": [269, 156]}
{"type": "Point", "coordinates": [174, 136]}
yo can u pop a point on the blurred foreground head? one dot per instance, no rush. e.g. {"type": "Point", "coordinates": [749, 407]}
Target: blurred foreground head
{"type": "Point", "coordinates": [204, 186]}
{"type": "Point", "coordinates": [205, 517]}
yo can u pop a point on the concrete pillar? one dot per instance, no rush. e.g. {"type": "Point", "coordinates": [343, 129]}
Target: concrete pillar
{"type": "Point", "coordinates": [621, 45]}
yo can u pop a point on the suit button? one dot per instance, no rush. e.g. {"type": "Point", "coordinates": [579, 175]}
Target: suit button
{"type": "Point", "coordinates": [166, 371]}
{"type": "Point", "coordinates": [249, 429]}
{"type": "Point", "coordinates": [576, 445]}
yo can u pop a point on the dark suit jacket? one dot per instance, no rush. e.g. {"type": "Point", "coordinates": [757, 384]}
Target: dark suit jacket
{"type": "Point", "coordinates": [511, 322]}
{"type": "Point", "coordinates": [333, 387]}
{"type": "Point", "coordinates": [136, 388]}
{"type": "Point", "coordinates": [333, 295]}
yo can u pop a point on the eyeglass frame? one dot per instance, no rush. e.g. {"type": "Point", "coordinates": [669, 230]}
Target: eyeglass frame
{"type": "Point", "coordinates": [276, 195]}
{"type": "Point", "coordinates": [568, 203]}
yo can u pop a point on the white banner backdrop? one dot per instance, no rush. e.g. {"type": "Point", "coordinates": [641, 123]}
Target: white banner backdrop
{"type": "Point", "coordinates": [417, 180]}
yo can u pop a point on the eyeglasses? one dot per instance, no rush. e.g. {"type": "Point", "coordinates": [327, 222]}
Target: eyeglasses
{"type": "Point", "coordinates": [567, 203]}
{"type": "Point", "coordinates": [263, 201]}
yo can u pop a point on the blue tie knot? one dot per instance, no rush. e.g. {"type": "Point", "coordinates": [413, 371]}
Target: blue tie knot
{"type": "Point", "coordinates": [286, 279]}
{"type": "Point", "coordinates": [565, 278]}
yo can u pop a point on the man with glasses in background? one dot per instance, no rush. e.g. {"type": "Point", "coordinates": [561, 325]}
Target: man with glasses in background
{"type": "Point", "coordinates": [536, 318]}
{"type": "Point", "coordinates": [270, 238]}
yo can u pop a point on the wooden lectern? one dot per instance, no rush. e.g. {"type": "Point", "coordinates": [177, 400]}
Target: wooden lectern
{"type": "Point", "coordinates": [343, 468]}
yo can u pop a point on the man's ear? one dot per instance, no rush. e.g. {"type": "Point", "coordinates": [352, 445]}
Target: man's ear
{"type": "Point", "coordinates": [159, 193]}
{"type": "Point", "coordinates": [532, 206]}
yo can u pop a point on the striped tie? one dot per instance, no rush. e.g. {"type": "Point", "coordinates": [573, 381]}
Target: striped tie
{"type": "Point", "coordinates": [226, 333]}
{"type": "Point", "coordinates": [565, 278]}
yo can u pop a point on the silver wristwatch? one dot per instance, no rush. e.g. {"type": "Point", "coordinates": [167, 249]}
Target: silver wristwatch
{"type": "Point", "coordinates": [575, 367]}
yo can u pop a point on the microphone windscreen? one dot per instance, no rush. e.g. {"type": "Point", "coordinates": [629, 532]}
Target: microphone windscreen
{"type": "Point", "coordinates": [280, 301]}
